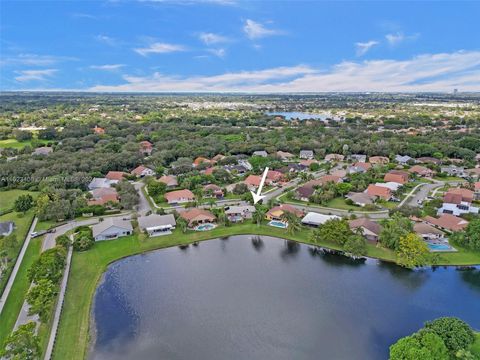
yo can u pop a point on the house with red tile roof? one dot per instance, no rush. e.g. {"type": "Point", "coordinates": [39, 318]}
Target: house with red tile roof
{"type": "Point", "coordinates": [253, 181]}
{"type": "Point", "coordinates": [146, 147]}
{"type": "Point", "coordinates": [197, 216]}
{"type": "Point", "coordinates": [274, 176]}
{"type": "Point", "coordinates": [169, 180]}
{"type": "Point", "coordinates": [98, 130]}
{"type": "Point", "coordinates": [179, 196]}
{"type": "Point", "coordinates": [325, 179]}
{"type": "Point", "coordinates": [101, 196]}
{"type": "Point", "coordinates": [213, 190]}
{"type": "Point", "coordinates": [277, 212]}
{"type": "Point", "coordinates": [421, 171]}
{"type": "Point", "coordinates": [397, 176]}
{"type": "Point", "coordinates": [379, 192]}
{"type": "Point", "coordinates": [200, 160]}
{"type": "Point", "coordinates": [142, 171]}
{"type": "Point", "coordinates": [334, 157]}
{"type": "Point", "coordinates": [447, 222]}
{"type": "Point", "coordinates": [476, 193]}
{"type": "Point", "coordinates": [378, 160]}
{"type": "Point", "coordinates": [458, 195]}
{"type": "Point", "coordinates": [115, 175]}
{"type": "Point", "coordinates": [209, 171]}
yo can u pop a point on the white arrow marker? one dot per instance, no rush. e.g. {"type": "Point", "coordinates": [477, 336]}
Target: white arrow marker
{"type": "Point", "coordinates": [257, 197]}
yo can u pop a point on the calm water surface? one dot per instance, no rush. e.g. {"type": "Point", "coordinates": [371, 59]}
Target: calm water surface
{"type": "Point", "coordinates": [237, 299]}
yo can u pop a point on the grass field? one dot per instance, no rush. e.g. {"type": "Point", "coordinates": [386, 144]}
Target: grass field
{"type": "Point", "coordinates": [15, 144]}
{"type": "Point", "coordinates": [8, 198]}
{"type": "Point", "coordinates": [88, 267]}
{"type": "Point", "coordinates": [476, 347]}
{"type": "Point", "coordinates": [19, 290]}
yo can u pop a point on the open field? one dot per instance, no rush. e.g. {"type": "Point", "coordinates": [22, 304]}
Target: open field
{"type": "Point", "coordinates": [8, 198]}
{"type": "Point", "coordinates": [15, 144]}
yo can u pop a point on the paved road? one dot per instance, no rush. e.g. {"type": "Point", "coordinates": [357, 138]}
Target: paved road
{"type": "Point", "coordinates": [419, 196]}
{"type": "Point", "coordinates": [13, 275]}
{"type": "Point", "coordinates": [143, 206]}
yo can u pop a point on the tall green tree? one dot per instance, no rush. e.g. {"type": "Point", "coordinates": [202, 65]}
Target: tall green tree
{"type": "Point", "coordinates": [22, 344]}
{"type": "Point", "coordinates": [23, 203]}
{"type": "Point", "coordinates": [41, 298]}
{"type": "Point", "coordinates": [412, 251]}
{"type": "Point", "coordinates": [394, 229]}
{"type": "Point", "coordinates": [333, 231]}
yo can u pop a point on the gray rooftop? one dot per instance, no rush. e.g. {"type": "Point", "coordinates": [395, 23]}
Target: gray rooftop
{"type": "Point", "coordinates": [109, 222]}
{"type": "Point", "coordinates": [154, 220]}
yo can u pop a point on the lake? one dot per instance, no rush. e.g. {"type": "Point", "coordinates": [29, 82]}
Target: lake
{"type": "Point", "coordinates": [241, 298]}
{"type": "Point", "coordinates": [294, 115]}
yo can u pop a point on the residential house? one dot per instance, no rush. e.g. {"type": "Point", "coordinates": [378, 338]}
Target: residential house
{"type": "Point", "coordinates": [476, 193]}
{"type": "Point", "coordinates": [156, 225]}
{"type": "Point", "coordinates": [115, 175]}
{"type": "Point", "coordinates": [112, 228]}
{"type": "Point", "coordinates": [261, 153]}
{"type": "Point", "coordinates": [179, 196]}
{"type": "Point", "coordinates": [325, 179]}
{"type": "Point", "coordinates": [239, 213]}
{"type": "Point", "coordinates": [393, 186]}
{"type": "Point", "coordinates": [379, 192]}
{"type": "Point", "coordinates": [397, 176]}
{"type": "Point", "coordinates": [6, 228]}
{"type": "Point", "coordinates": [378, 160]}
{"type": "Point", "coordinates": [142, 171]}
{"type": "Point", "coordinates": [253, 181]}
{"type": "Point", "coordinates": [360, 199]}
{"type": "Point", "coordinates": [306, 154]}
{"type": "Point", "coordinates": [457, 202]}
{"type": "Point", "coordinates": [316, 219]}
{"type": "Point", "coordinates": [236, 169]}
{"type": "Point", "coordinates": [428, 160]}
{"type": "Point", "coordinates": [453, 170]}
{"type": "Point", "coordinates": [103, 195]}
{"type": "Point", "coordinates": [274, 177]}
{"type": "Point", "coordinates": [98, 130]}
{"type": "Point", "coordinates": [43, 151]}
{"type": "Point", "coordinates": [307, 162]}
{"type": "Point", "coordinates": [359, 167]}
{"type": "Point", "coordinates": [169, 180]}
{"type": "Point", "coordinates": [209, 171]}
{"type": "Point", "coordinates": [447, 222]}
{"type": "Point", "coordinates": [197, 216]}
{"type": "Point", "coordinates": [246, 164]}
{"type": "Point", "coordinates": [199, 160]}
{"type": "Point", "coordinates": [357, 158]}
{"type": "Point", "coordinates": [340, 173]}
{"type": "Point", "coordinates": [403, 160]}
{"type": "Point", "coordinates": [369, 229]}
{"type": "Point", "coordinates": [218, 157]}
{"type": "Point", "coordinates": [421, 171]}
{"type": "Point", "coordinates": [427, 232]}
{"type": "Point", "coordinates": [146, 147]}
{"type": "Point", "coordinates": [282, 155]}
{"type": "Point", "coordinates": [306, 190]}
{"type": "Point", "coordinates": [296, 167]}
{"type": "Point", "coordinates": [334, 157]}
{"type": "Point", "coordinates": [101, 183]}
{"type": "Point", "coordinates": [212, 190]}
{"type": "Point", "coordinates": [477, 158]}
{"type": "Point", "coordinates": [276, 213]}
{"type": "Point", "coordinates": [474, 173]}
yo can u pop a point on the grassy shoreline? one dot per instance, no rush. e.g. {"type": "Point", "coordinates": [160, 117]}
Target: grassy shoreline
{"type": "Point", "coordinates": [88, 268]}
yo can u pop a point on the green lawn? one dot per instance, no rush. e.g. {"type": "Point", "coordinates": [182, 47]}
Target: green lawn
{"type": "Point", "coordinates": [8, 198]}
{"type": "Point", "coordinates": [15, 144]}
{"type": "Point", "coordinates": [476, 346]}
{"type": "Point", "coordinates": [88, 267]}
{"type": "Point", "coordinates": [22, 224]}
{"type": "Point", "coordinates": [339, 203]}
{"type": "Point", "coordinates": [19, 290]}
{"type": "Point", "coordinates": [448, 178]}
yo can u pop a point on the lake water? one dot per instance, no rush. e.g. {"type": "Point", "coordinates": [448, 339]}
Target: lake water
{"type": "Point", "coordinates": [235, 298]}
{"type": "Point", "coordinates": [293, 115]}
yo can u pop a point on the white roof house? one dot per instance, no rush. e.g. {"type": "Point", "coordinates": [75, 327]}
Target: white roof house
{"type": "Point", "coordinates": [261, 153]}
{"type": "Point", "coordinates": [111, 228]}
{"type": "Point", "coordinates": [393, 186]}
{"type": "Point", "coordinates": [316, 219]}
{"type": "Point", "coordinates": [306, 154]}
{"type": "Point", "coordinates": [239, 213]}
{"type": "Point", "coordinates": [403, 160]}
{"type": "Point", "coordinates": [97, 183]}
{"type": "Point", "coordinates": [156, 225]}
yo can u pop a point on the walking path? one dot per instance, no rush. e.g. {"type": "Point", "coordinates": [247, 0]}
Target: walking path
{"type": "Point", "coordinates": [59, 307]}
{"type": "Point", "coordinates": [11, 279]}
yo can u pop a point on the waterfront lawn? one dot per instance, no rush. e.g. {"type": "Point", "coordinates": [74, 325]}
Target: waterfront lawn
{"type": "Point", "coordinates": [15, 300]}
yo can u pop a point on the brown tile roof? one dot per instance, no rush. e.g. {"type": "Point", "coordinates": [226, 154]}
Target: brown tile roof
{"type": "Point", "coordinates": [253, 180]}
{"type": "Point", "coordinates": [195, 215]}
{"type": "Point", "coordinates": [423, 229]}
{"type": "Point", "coordinates": [274, 175]}
{"type": "Point", "coordinates": [115, 175]}
{"type": "Point", "coordinates": [200, 160]}
{"type": "Point", "coordinates": [400, 177]}
{"type": "Point", "coordinates": [363, 165]}
{"type": "Point", "coordinates": [420, 170]}
{"type": "Point", "coordinates": [138, 170]}
{"type": "Point", "coordinates": [457, 195]}
{"type": "Point", "coordinates": [380, 191]}
{"type": "Point", "coordinates": [448, 221]}
{"type": "Point", "coordinates": [378, 160]}
{"type": "Point", "coordinates": [168, 180]}
{"type": "Point", "coordinates": [178, 195]}
{"type": "Point", "coordinates": [285, 208]}
{"type": "Point", "coordinates": [367, 224]}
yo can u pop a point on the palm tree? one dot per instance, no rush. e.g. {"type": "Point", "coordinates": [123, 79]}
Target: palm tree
{"type": "Point", "coordinates": [258, 215]}
{"type": "Point", "coordinates": [293, 221]}
{"type": "Point", "coordinates": [182, 224]}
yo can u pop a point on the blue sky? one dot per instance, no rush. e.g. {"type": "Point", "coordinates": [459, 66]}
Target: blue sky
{"type": "Point", "coordinates": [229, 45]}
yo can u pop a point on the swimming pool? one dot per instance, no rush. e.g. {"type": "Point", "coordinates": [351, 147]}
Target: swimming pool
{"type": "Point", "coordinates": [279, 224]}
{"type": "Point", "coordinates": [439, 247]}
{"type": "Point", "coordinates": [205, 227]}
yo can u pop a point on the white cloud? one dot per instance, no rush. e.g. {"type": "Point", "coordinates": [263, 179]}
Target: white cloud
{"type": "Point", "coordinates": [218, 52]}
{"type": "Point", "coordinates": [107, 67]}
{"type": "Point", "coordinates": [106, 40]}
{"type": "Point", "coordinates": [34, 75]}
{"type": "Point", "coordinates": [397, 38]}
{"type": "Point", "coordinates": [429, 72]}
{"type": "Point", "coordinates": [211, 38]}
{"type": "Point", "coordinates": [256, 30]}
{"type": "Point", "coordinates": [33, 60]}
{"type": "Point", "coordinates": [159, 48]}
{"type": "Point", "coordinates": [364, 47]}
